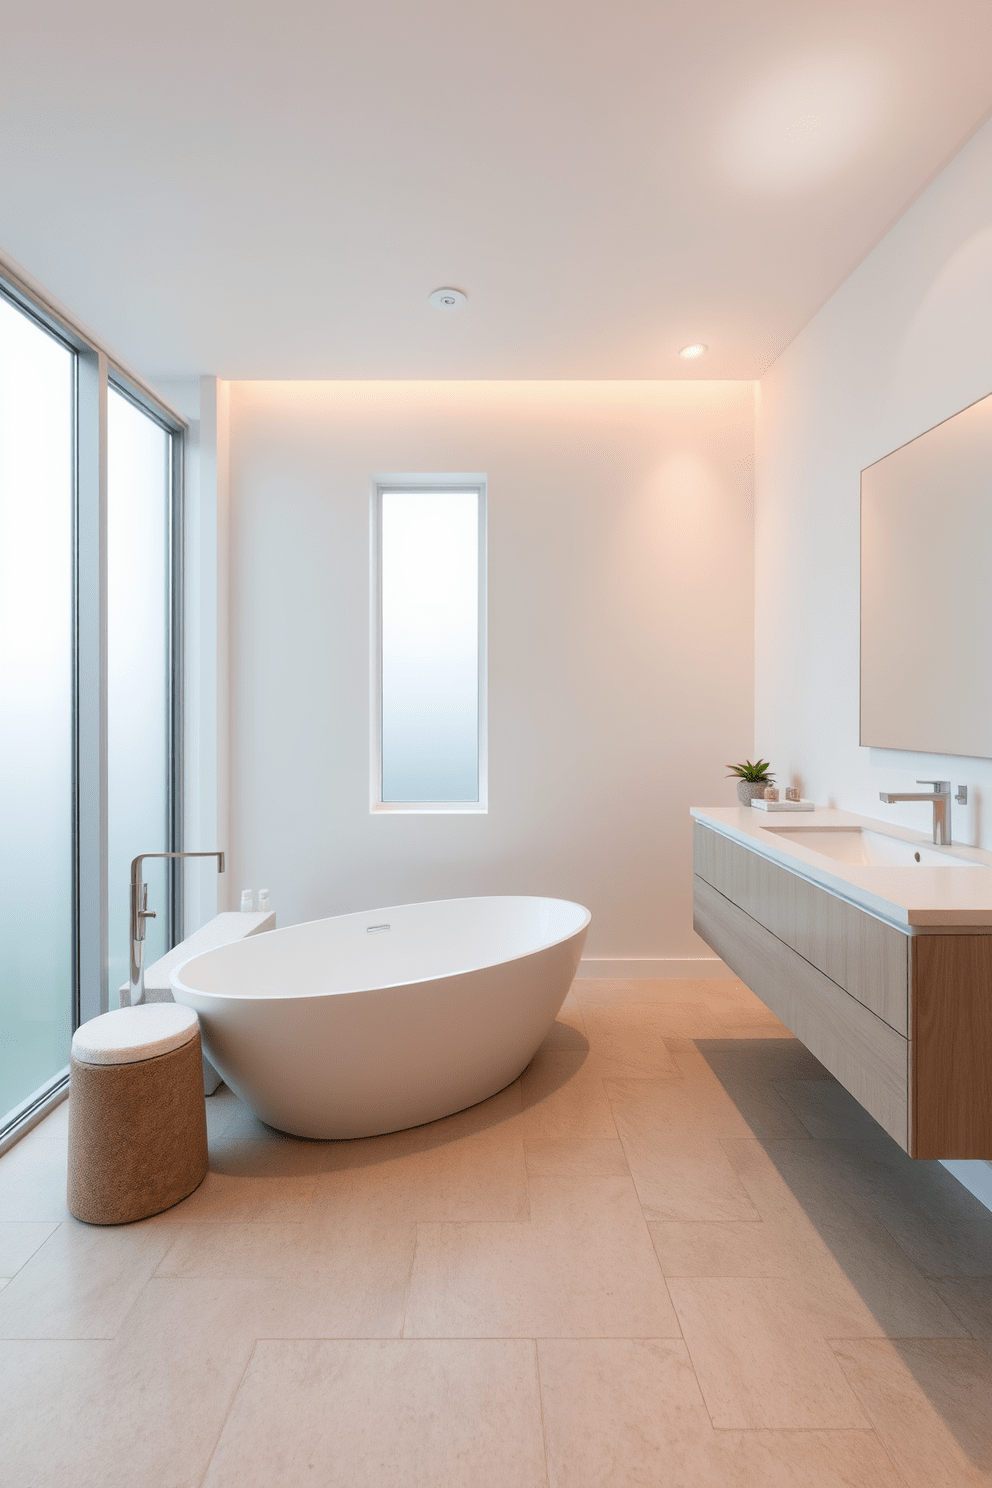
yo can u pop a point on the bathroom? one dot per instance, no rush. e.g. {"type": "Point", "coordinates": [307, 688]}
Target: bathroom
{"type": "Point", "coordinates": [673, 574]}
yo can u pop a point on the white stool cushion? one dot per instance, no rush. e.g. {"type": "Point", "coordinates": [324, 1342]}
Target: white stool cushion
{"type": "Point", "coordinates": [133, 1033]}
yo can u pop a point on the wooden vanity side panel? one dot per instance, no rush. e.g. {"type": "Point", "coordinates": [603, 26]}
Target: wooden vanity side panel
{"type": "Point", "coordinates": [951, 1059]}
{"type": "Point", "coordinates": [866, 957]}
{"type": "Point", "coordinates": [869, 1058]}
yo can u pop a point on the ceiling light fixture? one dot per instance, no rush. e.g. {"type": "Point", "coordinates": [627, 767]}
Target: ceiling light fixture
{"type": "Point", "coordinates": [447, 299]}
{"type": "Point", "coordinates": [697, 349]}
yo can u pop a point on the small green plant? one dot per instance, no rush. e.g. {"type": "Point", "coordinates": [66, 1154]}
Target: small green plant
{"type": "Point", "coordinates": [754, 773]}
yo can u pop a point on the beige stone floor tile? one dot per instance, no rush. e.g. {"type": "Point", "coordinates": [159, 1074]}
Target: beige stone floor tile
{"type": "Point", "coordinates": [254, 1180]}
{"type": "Point", "coordinates": [758, 1061]}
{"type": "Point", "coordinates": [33, 1179]}
{"type": "Point", "coordinates": [855, 1281]}
{"type": "Point", "coordinates": [562, 1095]}
{"type": "Point", "coordinates": [929, 1401]}
{"type": "Point", "coordinates": [19, 1239]}
{"type": "Point", "coordinates": [222, 1108]}
{"type": "Point", "coordinates": [670, 1132]}
{"type": "Point", "coordinates": [803, 1459]}
{"type": "Point", "coordinates": [826, 1109]}
{"type": "Point", "coordinates": [629, 1040]}
{"type": "Point", "coordinates": [970, 1299]}
{"type": "Point", "coordinates": [624, 1411]}
{"type": "Point", "coordinates": [721, 991]}
{"type": "Point", "coordinates": [596, 1157]}
{"type": "Point", "coordinates": [409, 1176]}
{"type": "Point", "coordinates": [945, 1233]}
{"type": "Point", "coordinates": [360, 1272]}
{"type": "Point", "coordinates": [586, 1268]}
{"type": "Point", "coordinates": [860, 1282]}
{"type": "Point", "coordinates": [411, 1414]}
{"type": "Point", "coordinates": [82, 1282]}
{"type": "Point", "coordinates": [758, 1356]}
{"type": "Point", "coordinates": [141, 1411]}
{"type": "Point", "coordinates": [629, 1412]}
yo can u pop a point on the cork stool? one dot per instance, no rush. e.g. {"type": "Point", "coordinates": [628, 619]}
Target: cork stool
{"type": "Point", "coordinates": [137, 1121]}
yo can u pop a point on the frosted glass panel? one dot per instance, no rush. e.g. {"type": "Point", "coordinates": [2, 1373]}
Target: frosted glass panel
{"type": "Point", "coordinates": [138, 518]}
{"type": "Point", "coordinates": [36, 724]}
{"type": "Point", "coordinates": [430, 646]}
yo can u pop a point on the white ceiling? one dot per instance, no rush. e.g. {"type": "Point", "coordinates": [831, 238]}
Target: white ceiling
{"type": "Point", "coordinates": [272, 190]}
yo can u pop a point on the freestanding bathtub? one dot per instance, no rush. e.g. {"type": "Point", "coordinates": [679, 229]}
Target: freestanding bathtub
{"type": "Point", "coordinates": [372, 1022]}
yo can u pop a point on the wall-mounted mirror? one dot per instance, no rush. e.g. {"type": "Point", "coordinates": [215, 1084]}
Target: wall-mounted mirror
{"type": "Point", "coordinates": [926, 591]}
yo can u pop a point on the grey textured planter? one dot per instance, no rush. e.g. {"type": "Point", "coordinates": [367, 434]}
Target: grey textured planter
{"type": "Point", "coordinates": [747, 790]}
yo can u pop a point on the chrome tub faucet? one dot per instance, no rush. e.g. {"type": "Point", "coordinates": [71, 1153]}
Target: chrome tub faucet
{"type": "Point", "coordinates": [140, 913]}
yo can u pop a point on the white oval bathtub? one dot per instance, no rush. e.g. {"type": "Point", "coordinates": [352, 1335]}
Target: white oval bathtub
{"type": "Point", "coordinates": [372, 1022]}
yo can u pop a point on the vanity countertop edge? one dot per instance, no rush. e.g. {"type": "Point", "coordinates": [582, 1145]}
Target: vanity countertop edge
{"type": "Point", "coordinates": [913, 899]}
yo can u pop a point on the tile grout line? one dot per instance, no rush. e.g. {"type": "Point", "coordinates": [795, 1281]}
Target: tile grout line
{"type": "Point", "coordinates": [227, 1414]}
{"type": "Point", "coordinates": [540, 1407]}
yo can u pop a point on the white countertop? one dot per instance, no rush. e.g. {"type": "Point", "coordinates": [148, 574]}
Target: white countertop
{"type": "Point", "coordinates": [907, 897]}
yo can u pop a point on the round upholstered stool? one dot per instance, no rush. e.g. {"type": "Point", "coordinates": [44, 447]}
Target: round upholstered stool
{"type": "Point", "coordinates": [137, 1121]}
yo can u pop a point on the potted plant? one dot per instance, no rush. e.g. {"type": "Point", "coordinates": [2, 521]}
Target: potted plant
{"type": "Point", "coordinates": [751, 779]}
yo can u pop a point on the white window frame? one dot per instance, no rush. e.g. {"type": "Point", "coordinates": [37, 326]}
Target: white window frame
{"type": "Point", "coordinates": [446, 481]}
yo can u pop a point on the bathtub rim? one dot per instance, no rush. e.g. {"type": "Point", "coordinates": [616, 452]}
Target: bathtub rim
{"type": "Point", "coordinates": [177, 983]}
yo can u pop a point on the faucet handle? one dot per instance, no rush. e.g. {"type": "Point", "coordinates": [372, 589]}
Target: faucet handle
{"type": "Point", "coordinates": [942, 787]}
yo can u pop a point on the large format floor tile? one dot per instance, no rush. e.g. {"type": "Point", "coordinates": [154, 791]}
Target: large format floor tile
{"type": "Point", "coordinates": [82, 1282]}
{"type": "Point", "coordinates": [583, 1266]}
{"type": "Point", "coordinates": [629, 1412]}
{"type": "Point", "coordinates": [759, 1357]}
{"type": "Point", "coordinates": [410, 1414]}
{"type": "Point", "coordinates": [928, 1400]}
{"type": "Point", "coordinates": [409, 1176]}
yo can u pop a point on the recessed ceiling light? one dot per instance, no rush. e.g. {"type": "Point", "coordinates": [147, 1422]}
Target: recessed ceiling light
{"type": "Point", "coordinates": [447, 299]}
{"type": "Point", "coordinates": [697, 349]}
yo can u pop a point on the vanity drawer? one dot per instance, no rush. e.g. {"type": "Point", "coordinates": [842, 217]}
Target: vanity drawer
{"type": "Point", "coordinates": [862, 955]}
{"type": "Point", "coordinates": [867, 1056]}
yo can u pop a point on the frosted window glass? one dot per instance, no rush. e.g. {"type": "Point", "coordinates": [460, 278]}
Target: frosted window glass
{"type": "Point", "coordinates": [430, 646]}
{"type": "Point", "coordinates": [138, 650]}
{"type": "Point", "coordinates": [36, 723]}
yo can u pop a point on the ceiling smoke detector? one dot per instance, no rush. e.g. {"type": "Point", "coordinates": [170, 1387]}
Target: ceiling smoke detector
{"type": "Point", "coordinates": [447, 299]}
{"type": "Point", "coordinates": [697, 349]}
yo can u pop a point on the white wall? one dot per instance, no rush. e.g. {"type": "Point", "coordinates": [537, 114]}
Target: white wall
{"type": "Point", "coordinates": [904, 343]}
{"type": "Point", "coordinates": [620, 633]}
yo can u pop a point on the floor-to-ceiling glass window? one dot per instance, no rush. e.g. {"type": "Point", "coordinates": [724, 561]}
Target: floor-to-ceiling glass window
{"type": "Point", "coordinates": [37, 743]}
{"type": "Point", "coordinates": [139, 671]}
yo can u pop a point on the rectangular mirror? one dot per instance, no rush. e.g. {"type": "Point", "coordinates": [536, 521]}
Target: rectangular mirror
{"type": "Point", "coordinates": [926, 576]}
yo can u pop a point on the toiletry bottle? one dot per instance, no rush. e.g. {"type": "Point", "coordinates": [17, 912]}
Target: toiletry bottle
{"type": "Point", "coordinates": [263, 901]}
{"type": "Point", "coordinates": [246, 901]}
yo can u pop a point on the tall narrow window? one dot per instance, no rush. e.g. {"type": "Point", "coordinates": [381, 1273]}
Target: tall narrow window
{"type": "Point", "coordinates": [37, 741]}
{"type": "Point", "coordinates": [139, 672]}
{"type": "Point", "coordinates": [429, 647]}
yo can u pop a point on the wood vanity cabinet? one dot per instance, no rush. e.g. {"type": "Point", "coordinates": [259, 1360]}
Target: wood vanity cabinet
{"type": "Point", "coordinates": [902, 1018]}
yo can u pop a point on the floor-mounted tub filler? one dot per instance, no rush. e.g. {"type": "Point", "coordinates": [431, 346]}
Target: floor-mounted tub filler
{"type": "Point", "coordinates": [373, 1022]}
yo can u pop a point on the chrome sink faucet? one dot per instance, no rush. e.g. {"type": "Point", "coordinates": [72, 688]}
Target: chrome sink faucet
{"type": "Point", "coordinates": [140, 913]}
{"type": "Point", "coordinates": [940, 797]}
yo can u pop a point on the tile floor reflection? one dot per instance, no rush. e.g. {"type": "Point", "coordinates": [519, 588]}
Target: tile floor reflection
{"type": "Point", "coordinates": [674, 1252]}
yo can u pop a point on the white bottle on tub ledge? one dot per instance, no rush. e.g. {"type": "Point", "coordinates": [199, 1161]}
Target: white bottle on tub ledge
{"type": "Point", "coordinates": [264, 907]}
{"type": "Point", "coordinates": [247, 896]}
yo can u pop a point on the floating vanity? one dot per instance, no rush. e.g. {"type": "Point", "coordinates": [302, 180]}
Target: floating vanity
{"type": "Point", "coordinates": [874, 947]}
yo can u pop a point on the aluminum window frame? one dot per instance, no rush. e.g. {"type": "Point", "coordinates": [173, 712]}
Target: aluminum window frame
{"type": "Point", "coordinates": [421, 481]}
{"type": "Point", "coordinates": [95, 369]}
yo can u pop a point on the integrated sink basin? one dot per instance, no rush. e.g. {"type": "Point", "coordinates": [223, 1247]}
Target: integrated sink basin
{"type": "Point", "coordinates": [862, 848]}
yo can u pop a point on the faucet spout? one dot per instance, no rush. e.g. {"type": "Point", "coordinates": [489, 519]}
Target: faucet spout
{"type": "Point", "coordinates": [140, 913]}
{"type": "Point", "coordinates": [939, 797]}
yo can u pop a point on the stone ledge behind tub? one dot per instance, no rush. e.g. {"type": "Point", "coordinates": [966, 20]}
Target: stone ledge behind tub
{"type": "Point", "coordinates": [225, 928]}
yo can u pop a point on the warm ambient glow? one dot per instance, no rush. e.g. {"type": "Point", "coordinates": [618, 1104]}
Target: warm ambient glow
{"type": "Point", "coordinates": [695, 350]}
